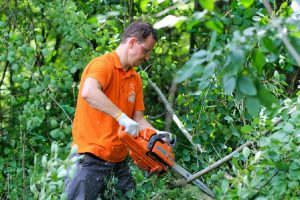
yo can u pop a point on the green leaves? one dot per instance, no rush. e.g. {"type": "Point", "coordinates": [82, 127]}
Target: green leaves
{"type": "Point", "coordinates": [11, 56]}
{"type": "Point", "coordinates": [53, 123]}
{"type": "Point", "coordinates": [215, 25]}
{"type": "Point", "coordinates": [225, 186]}
{"type": "Point", "coordinates": [3, 24]}
{"type": "Point", "coordinates": [259, 61]}
{"type": "Point", "coordinates": [39, 38]}
{"type": "Point", "coordinates": [207, 4]}
{"type": "Point", "coordinates": [246, 86]}
{"type": "Point", "coordinates": [246, 152]}
{"type": "Point", "coordinates": [246, 3]}
{"type": "Point", "coordinates": [253, 105]}
{"type": "Point", "coordinates": [247, 129]}
{"type": "Point", "coordinates": [57, 134]}
{"type": "Point", "coordinates": [235, 61]}
{"type": "Point", "coordinates": [266, 98]}
{"type": "Point", "coordinates": [47, 176]}
{"type": "Point", "coordinates": [229, 82]}
{"type": "Point", "coordinates": [169, 21]}
{"type": "Point", "coordinates": [191, 67]}
{"type": "Point", "coordinates": [25, 85]}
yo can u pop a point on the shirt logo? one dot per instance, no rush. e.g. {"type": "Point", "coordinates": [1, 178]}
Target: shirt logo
{"type": "Point", "coordinates": [131, 95]}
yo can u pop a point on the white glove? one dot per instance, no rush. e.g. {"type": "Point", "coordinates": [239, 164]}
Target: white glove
{"type": "Point", "coordinates": [168, 136]}
{"type": "Point", "coordinates": [131, 127]}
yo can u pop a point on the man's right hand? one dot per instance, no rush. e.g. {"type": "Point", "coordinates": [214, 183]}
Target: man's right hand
{"type": "Point", "coordinates": [131, 127]}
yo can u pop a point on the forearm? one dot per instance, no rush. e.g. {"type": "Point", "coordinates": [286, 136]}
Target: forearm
{"type": "Point", "coordinates": [101, 102]}
{"type": "Point", "coordinates": [143, 123]}
{"type": "Point", "coordinates": [93, 95]}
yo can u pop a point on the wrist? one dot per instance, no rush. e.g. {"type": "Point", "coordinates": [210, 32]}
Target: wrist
{"type": "Point", "coordinates": [118, 115]}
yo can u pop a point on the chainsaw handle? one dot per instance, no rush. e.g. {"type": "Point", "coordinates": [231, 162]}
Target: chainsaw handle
{"type": "Point", "coordinates": [153, 139]}
{"type": "Point", "coordinates": [156, 137]}
{"type": "Point", "coordinates": [173, 142]}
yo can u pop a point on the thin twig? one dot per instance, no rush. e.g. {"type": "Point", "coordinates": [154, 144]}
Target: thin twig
{"type": "Point", "coordinates": [289, 46]}
{"type": "Point", "coordinates": [266, 183]}
{"type": "Point", "coordinates": [23, 138]}
{"type": "Point", "coordinates": [53, 99]}
{"type": "Point", "coordinates": [3, 75]}
{"type": "Point", "coordinates": [8, 186]}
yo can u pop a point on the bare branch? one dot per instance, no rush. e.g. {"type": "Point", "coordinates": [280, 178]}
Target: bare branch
{"type": "Point", "coordinates": [182, 182]}
{"type": "Point", "coordinates": [268, 7]}
{"type": "Point", "coordinates": [174, 116]}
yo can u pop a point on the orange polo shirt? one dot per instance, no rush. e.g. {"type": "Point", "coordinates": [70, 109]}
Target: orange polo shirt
{"type": "Point", "coordinates": [94, 131]}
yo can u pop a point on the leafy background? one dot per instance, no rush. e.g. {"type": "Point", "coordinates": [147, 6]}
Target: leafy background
{"type": "Point", "coordinates": [225, 67]}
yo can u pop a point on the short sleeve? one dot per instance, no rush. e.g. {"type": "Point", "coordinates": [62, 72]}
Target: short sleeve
{"type": "Point", "coordinates": [100, 70]}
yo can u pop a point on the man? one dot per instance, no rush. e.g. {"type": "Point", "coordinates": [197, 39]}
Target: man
{"type": "Point", "coordinates": [110, 95]}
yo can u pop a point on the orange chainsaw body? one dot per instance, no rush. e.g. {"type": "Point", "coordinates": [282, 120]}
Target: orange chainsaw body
{"type": "Point", "coordinates": [148, 151]}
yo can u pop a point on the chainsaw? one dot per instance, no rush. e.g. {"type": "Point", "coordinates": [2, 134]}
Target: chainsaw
{"type": "Point", "coordinates": [152, 154]}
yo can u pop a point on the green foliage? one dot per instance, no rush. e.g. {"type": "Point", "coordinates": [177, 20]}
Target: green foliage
{"type": "Point", "coordinates": [272, 172]}
{"type": "Point", "coordinates": [47, 179]}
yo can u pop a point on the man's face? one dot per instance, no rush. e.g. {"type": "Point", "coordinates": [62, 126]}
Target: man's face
{"type": "Point", "coordinates": [141, 51]}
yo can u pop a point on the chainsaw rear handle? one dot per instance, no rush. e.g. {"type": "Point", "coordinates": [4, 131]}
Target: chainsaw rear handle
{"type": "Point", "coordinates": [173, 142]}
{"type": "Point", "coordinates": [156, 137]}
{"type": "Point", "coordinates": [153, 139]}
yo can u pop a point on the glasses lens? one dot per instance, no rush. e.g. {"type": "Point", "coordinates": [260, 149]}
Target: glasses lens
{"type": "Point", "coordinates": [145, 50]}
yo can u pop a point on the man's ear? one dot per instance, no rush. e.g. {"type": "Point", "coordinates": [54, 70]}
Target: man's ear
{"type": "Point", "coordinates": [132, 41]}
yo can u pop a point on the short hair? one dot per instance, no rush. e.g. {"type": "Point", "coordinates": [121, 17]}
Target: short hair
{"type": "Point", "coordinates": [140, 30]}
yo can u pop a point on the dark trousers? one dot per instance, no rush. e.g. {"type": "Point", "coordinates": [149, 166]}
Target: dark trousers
{"type": "Point", "coordinates": [95, 178]}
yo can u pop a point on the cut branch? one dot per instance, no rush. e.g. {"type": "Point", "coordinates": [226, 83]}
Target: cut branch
{"type": "Point", "coordinates": [184, 181]}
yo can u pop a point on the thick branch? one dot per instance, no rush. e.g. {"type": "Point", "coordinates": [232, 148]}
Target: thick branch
{"type": "Point", "coordinates": [174, 116]}
{"type": "Point", "coordinates": [171, 95]}
{"type": "Point", "coordinates": [268, 7]}
{"type": "Point", "coordinates": [182, 182]}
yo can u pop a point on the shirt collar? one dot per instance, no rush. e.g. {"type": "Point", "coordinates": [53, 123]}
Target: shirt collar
{"type": "Point", "coordinates": [117, 63]}
{"type": "Point", "coordinates": [116, 59]}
